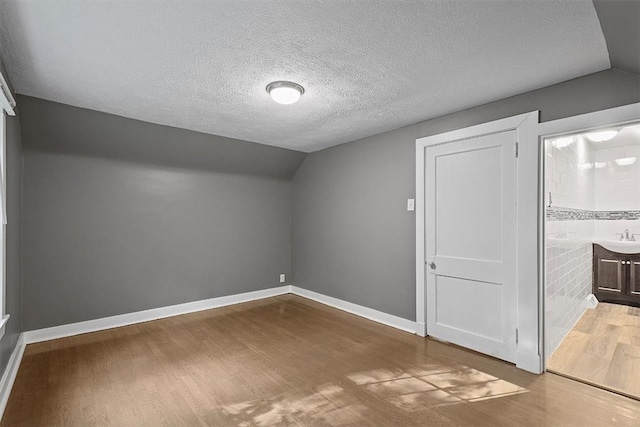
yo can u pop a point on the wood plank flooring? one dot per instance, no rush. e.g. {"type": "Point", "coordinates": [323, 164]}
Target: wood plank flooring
{"type": "Point", "coordinates": [288, 361]}
{"type": "Point", "coordinates": [603, 348]}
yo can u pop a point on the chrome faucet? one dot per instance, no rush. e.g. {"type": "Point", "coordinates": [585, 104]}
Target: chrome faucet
{"type": "Point", "coordinates": [625, 236]}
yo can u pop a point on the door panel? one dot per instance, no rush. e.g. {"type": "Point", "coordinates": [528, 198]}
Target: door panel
{"type": "Point", "coordinates": [457, 220]}
{"type": "Point", "coordinates": [480, 323]}
{"type": "Point", "coordinates": [471, 242]}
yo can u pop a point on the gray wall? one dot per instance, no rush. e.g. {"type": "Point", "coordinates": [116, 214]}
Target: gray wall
{"type": "Point", "coordinates": [13, 296]}
{"type": "Point", "coordinates": [620, 23]}
{"type": "Point", "coordinates": [353, 238]}
{"type": "Point", "coordinates": [105, 236]}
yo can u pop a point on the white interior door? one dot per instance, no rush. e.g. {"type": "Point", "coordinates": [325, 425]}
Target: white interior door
{"type": "Point", "coordinates": [470, 229]}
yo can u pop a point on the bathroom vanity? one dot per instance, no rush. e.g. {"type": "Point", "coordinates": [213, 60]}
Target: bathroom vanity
{"type": "Point", "coordinates": [616, 272]}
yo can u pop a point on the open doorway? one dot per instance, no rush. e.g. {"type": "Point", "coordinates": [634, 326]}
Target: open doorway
{"type": "Point", "coordinates": [591, 181]}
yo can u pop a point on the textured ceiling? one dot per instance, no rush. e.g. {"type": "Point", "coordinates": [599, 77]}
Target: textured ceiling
{"type": "Point", "coordinates": [366, 66]}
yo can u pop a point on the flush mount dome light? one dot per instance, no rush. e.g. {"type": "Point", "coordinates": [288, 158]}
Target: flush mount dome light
{"type": "Point", "coordinates": [285, 92]}
{"type": "Point", "coordinates": [602, 135]}
{"type": "Point", "coordinates": [625, 161]}
{"type": "Point", "coordinates": [565, 141]}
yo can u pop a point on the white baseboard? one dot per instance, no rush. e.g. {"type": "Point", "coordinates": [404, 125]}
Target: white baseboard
{"type": "Point", "coordinates": [78, 328]}
{"type": "Point", "coordinates": [359, 310]}
{"type": "Point", "coordinates": [9, 376]}
{"type": "Point", "coordinates": [421, 329]}
{"type": "Point", "coordinates": [72, 329]}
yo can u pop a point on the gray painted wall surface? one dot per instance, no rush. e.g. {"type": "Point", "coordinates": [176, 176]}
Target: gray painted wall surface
{"type": "Point", "coordinates": [13, 303]}
{"type": "Point", "coordinates": [60, 128]}
{"type": "Point", "coordinates": [104, 236]}
{"type": "Point", "coordinates": [353, 238]}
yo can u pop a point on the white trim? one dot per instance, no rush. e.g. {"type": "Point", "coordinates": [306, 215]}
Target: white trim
{"type": "Point", "coordinates": [10, 372]}
{"type": "Point", "coordinates": [581, 123]}
{"type": "Point", "coordinates": [585, 122]}
{"type": "Point", "coordinates": [421, 329]}
{"type": "Point", "coordinates": [3, 219]}
{"type": "Point", "coordinates": [421, 315]}
{"type": "Point", "coordinates": [7, 101]}
{"type": "Point", "coordinates": [541, 254]}
{"type": "Point", "coordinates": [3, 324]}
{"type": "Point", "coordinates": [72, 329]}
{"type": "Point", "coordinates": [529, 354]}
{"type": "Point", "coordinates": [528, 286]}
{"type": "Point", "coordinates": [359, 310]}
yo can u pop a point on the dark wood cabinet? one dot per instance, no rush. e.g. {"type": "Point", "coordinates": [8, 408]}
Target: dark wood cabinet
{"type": "Point", "coordinates": [616, 276]}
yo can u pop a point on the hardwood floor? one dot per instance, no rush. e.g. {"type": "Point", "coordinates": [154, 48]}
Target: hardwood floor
{"type": "Point", "coordinates": [288, 361]}
{"type": "Point", "coordinates": [603, 348]}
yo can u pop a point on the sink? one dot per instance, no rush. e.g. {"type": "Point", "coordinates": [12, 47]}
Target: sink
{"type": "Point", "coordinates": [620, 246]}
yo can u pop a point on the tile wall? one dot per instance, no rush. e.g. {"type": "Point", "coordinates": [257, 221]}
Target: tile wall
{"type": "Point", "coordinates": [617, 192]}
{"type": "Point", "coordinates": [569, 235]}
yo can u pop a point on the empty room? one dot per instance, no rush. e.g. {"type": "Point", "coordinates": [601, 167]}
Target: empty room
{"type": "Point", "coordinates": [320, 213]}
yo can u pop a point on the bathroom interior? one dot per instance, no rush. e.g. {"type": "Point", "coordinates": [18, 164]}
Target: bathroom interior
{"type": "Point", "coordinates": [592, 257]}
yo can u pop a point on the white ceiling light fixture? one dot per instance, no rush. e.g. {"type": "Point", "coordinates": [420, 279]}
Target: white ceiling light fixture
{"type": "Point", "coordinates": [625, 161]}
{"type": "Point", "coordinates": [564, 141]}
{"type": "Point", "coordinates": [284, 92]}
{"type": "Point", "coordinates": [602, 135]}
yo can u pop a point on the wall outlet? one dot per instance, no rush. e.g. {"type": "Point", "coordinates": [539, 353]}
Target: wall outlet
{"type": "Point", "coordinates": [411, 205]}
{"type": "Point", "coordinates": [282, 279]}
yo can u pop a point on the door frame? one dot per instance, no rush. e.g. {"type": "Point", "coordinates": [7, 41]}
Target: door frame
{"type": "Point", "coordinates": [528, 286]}
{"type": "Point", "coordinates": [576, 124]}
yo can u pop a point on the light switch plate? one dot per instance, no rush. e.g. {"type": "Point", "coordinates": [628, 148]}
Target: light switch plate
{"type": "Point", "coordinates": [411, 205]}
{"type": "Point", "coordinates": [282, 279]}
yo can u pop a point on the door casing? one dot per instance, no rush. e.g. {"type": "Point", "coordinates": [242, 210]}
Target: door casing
{"type": "Point", "coordinates": [528, 289]}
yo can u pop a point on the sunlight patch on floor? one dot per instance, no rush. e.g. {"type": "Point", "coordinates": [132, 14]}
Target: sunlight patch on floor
{"type": "Point", "coordinates": [328, 403]}
{"type": "Point", "coordinates": [433, 385]}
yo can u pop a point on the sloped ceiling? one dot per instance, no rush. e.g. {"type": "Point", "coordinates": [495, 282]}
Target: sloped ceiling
{"type": "Point", "coordinates": [367, 66]}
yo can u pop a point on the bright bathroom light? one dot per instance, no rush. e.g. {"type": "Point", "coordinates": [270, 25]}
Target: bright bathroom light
{"type": "Point", "coordinates": [625, 161]}
{"type": "Point", "coordinates": [599, 165]}
{"type": "Point", "coordinates": [562, 142]}
{"type": "Point", "coordinates": [285, 92]}
{"type": "Point", "coordinates": [602, 135]}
